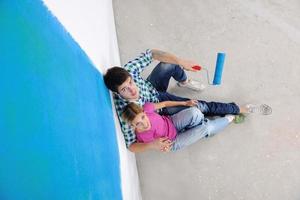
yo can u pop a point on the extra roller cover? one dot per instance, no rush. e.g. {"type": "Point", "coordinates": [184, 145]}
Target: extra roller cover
{"type": "Point", "coordinates": [219, 69]}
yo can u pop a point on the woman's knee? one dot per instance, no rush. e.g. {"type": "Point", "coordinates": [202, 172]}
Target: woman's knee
{"type": "Point", "coordinates": [196, 116]}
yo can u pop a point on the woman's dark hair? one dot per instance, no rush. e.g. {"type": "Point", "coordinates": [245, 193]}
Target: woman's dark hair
{"type": "Point", "coordinates": [131, 111]}
{"type": "Point", "coordinates": [115, 77]}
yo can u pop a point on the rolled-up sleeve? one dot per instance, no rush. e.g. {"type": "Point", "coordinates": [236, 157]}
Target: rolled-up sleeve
{"type": "Point", "coordinates": [136, 66]}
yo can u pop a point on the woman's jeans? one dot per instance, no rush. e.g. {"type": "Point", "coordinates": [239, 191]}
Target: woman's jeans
{"type": "Point", "coordinates": [160, 78]}
{"type": "Point", "coordinates": [191, 126]}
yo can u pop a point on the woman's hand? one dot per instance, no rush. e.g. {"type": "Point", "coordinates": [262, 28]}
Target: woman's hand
{"type": "Point", "coordinates": [191, 103]}
{"type": "Point", "coordinates": [162, 144]}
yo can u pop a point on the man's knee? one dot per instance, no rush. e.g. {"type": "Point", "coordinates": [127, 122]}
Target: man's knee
{"type": "Point", "coordinates": [166, 67]}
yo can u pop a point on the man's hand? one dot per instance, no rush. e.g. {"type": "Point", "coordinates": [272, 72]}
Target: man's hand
{"type": "Point", "coordinates": [191, 103]}
{"type": "Point", "coordinates": [162, 144]}
{"type": "Point", "coordinates": [188, 65]}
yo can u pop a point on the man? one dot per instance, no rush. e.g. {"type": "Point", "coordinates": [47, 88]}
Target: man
{"type": "Point", "coordinates": [128, 86]}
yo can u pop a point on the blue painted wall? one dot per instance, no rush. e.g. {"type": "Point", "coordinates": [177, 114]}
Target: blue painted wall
{"type": "Point", "coordinates": [57, 134]}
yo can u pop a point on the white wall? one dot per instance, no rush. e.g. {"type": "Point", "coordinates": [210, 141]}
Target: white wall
{"type": "Point", "coordinates": [91, 24]}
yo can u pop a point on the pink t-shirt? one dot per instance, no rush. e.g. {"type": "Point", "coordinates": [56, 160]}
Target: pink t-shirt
{"type": "Point", "coordinates": [161, 126]}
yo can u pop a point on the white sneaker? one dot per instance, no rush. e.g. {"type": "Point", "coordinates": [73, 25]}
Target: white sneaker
{"type": "Point", "coordinates": [193, 85]}
{"type": "Point", "coordinates": [263, 109]}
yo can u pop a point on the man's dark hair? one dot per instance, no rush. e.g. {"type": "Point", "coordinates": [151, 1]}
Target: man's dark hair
{"type": "Point", "coordinates": [115, 77]}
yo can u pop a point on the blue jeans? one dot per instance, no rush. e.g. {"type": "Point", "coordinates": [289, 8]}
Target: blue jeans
{"type": "Point", "coordinates": [160, 78]}
{"type": "Point", "coordinates": [191, 126]}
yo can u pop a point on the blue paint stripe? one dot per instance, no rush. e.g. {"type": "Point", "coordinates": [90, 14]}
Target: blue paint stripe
{"type": "Point", "coordinates": [58, 138]}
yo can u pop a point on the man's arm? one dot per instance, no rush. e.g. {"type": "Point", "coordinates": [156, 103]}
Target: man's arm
{"type": "Point", "coordinates": [127, 131]}
{"type": "Point", "coordinates": [160, 144]}
{"type": "Point", "coordinates": [138, 147]}
{"type": "Point", "coordinates": [171, 58]}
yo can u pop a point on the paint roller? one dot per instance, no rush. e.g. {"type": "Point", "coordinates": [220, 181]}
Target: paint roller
{"type": "Point", "coordinates": [218, 70]}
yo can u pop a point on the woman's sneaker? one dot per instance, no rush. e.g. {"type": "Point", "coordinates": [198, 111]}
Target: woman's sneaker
{"type": "Point", "coordinates": [240, 118]}
{"type": "Point", "coordinates": [263, 109]}
{"type": "Point", "coordinates": [193, 85]}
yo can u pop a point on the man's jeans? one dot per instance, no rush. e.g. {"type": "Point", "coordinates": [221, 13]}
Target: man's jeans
{"type": "Point", "coordinates": [191, 126]}
{"type": "Point", "coordinates": [160, 78]}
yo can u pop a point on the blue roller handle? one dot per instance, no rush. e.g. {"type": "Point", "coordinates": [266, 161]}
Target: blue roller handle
{"type": "Point", "coordinates": [219, 69]}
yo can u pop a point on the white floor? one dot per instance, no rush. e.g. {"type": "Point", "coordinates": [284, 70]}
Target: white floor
{"type": "Point", "coordinates": [259, 159]}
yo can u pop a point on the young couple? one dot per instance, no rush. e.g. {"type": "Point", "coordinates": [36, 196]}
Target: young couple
{"type": "Point", "coordinates": [152, 118]}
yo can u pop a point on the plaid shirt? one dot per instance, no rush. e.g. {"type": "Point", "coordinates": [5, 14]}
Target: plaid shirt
{"type": "Point", "coordinates": [147, 92]}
